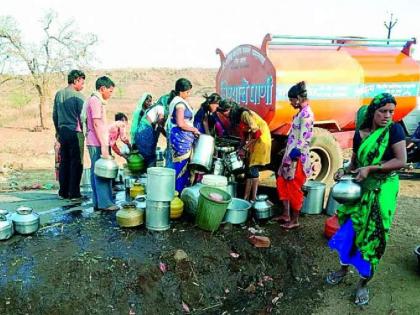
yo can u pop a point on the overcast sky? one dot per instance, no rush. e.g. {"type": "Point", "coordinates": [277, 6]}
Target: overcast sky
{"type": "Point", "coordinates": [185, 33]}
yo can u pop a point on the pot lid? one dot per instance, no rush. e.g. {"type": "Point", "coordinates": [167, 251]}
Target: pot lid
{"type": "Point", "coordinates": [128, 205]}
{"type": "Point", "coordinates": [4, 211]}
{"type": "Point", "coordinates": [25, 215]}
{"type": "Point", "coordinates": [262, 197]}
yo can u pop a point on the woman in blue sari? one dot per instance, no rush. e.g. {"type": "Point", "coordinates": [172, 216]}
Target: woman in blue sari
{"type": "Point", "coordinates": [182, 133]}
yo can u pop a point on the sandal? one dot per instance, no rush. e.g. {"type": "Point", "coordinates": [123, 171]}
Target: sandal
{"type": "Point", "coordinates": [362, 296]}
{"type": "Point", "coordinates": [335, 277]}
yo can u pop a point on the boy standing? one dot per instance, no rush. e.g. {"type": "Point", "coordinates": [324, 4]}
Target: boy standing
{"type": "Point", "coordinates": [97, 140]}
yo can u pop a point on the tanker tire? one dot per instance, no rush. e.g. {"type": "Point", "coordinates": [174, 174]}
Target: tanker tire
{"type": "Point", "coordinates": [326, 156]}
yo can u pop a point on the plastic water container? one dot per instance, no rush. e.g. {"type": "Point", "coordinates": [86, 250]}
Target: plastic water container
{"type": "Point", "coordinates": [216, 181]}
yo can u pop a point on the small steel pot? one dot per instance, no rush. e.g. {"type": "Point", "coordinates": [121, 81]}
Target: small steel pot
{"type": "Point", "coordinates": [262, 207]}
{"type": "Point", "coordinates": [233, 163]}
{"type": "Point", "coordinates": [25, 220]}
{"type": "Point", "coordinates": [106, 168]}
{"type": "Point", "coordinates": [6, 227]}
{"type": "Point", "coordinates": [346, 191]}
{"type": "Point", "coordinates": [237, 211]}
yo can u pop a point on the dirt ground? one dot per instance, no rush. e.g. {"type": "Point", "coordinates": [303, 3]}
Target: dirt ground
{"type": "Point", "coordinates": [82, 262]}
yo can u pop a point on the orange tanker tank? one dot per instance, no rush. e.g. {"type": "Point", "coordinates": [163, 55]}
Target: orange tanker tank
{"type": "Point", "coordinates": [342, 73]}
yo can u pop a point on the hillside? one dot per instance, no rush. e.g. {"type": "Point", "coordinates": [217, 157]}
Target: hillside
{"type": "Point", "coordinates": [34, 150]}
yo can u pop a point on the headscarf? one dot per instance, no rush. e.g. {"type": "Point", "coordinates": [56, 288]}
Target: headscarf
{"type": "Point", "coordinates": [377, 102]}
{"type": "Point", "coordinates": [137, 115]}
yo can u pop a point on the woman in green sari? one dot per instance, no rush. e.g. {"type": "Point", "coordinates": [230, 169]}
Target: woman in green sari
{"type": "Point", "coordinates": [378, 152]}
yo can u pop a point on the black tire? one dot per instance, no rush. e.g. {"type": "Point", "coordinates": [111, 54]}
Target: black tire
{"type": "Point", "coordinates": [326, 156]}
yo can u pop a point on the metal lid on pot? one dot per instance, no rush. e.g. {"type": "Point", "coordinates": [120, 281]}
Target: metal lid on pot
{"type": "Point", "coordinates": [25, 216]}
{"type": "Point", "coordinates": [262, 197]}
{"type": "Point", "coordinates": [3, 212]}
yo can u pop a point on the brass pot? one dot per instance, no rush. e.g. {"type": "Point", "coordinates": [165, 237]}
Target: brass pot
{"type": "Point", "coordinates": [129, 215]}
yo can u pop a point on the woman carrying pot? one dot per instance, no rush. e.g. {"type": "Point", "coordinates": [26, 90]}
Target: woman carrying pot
{"type": "Point", "coordinates": [147, 134]}
{"type": "Point", "coordinates": [295, 167]}
{"type": "Point", "coordinates": [257, 141]}
{"type": "Point", "coordinates": [181, 131]}
{"type": "Point", "coordinates": [142, 105]}
{"type": "Point", "coordinates": [378, 152]}
{"type": "Point", "coordinates": [206, 120]}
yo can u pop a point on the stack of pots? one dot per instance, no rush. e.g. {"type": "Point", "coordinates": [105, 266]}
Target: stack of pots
{"type": "Point", "coordinates": [160, 192]}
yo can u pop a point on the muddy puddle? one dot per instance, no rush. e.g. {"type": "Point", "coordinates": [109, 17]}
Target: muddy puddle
{"type": "Point", "coordinates": [81, 262]}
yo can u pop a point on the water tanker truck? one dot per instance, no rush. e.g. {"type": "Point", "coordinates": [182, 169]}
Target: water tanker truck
{"type": "Point", "coordinates": [341, 73]}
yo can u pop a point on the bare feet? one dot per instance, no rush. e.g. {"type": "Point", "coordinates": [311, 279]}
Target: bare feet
{"type": "Point", "coordinates": [282, 219]}
{"type": "Point", "coordinates": [290, 225]}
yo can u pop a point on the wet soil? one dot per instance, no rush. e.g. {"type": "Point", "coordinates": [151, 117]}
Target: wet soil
{"type": "Point", "coordinates": [81, 262]}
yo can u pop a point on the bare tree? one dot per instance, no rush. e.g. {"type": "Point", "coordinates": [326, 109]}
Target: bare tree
{"type": "Point", "coordinates": [63, 47]}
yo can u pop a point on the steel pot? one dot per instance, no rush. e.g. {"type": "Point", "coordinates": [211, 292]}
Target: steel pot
{"type": "Point", "coordinates": [157, 215]}
{"type": "Point", "coordinates": [106, 168]}
{"type": "Point", "coordinates": [25, 220]}
{"type": "Point", "coordinates": [346, 191]}
{"type": "Point", "coordinates": [262, 207]}
{"type": "Point", "coordinates": [6, 227]}
{"type": "Point", "coordinates": [234, 163]}
{"type": "Point", "coordinates": [203, 150]}
{"type": "Point", "coordinates": [332, 205]}
{"type": "Point", "coordinates": [237, 211]}
{"type": "Point", "coordinates": [314, 197]}
{"type": "Point", "coordinates": [141, 202]}
{"type": "Point", "coordinates": [218, 167]}
{"type": "Point", "coordinates": [232, 189]}
{"type": "Point", "coordinates": [160, 184]}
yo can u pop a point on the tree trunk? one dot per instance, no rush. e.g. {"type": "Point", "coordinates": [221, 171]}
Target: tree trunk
{"type": "Point", "coordinates": [41, 108]}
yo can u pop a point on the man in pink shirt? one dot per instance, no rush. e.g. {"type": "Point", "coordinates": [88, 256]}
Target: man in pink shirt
{"type": "Point", "coordinates": [118, 130]}
{"type": "Point", "coordinates": [97, 140]}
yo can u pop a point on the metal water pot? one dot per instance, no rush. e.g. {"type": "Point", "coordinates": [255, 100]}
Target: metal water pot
{"type": "Point", "coordinates": [6, 227]}
{"type": "Point", "coordinates": [218, 167]}
{"type": "Point", "coordinates": [203, 150]}
{"type": "Point", "coordinates": [25, 220]}
{"type": "Point", "coordinates": [106, 167]}
{"type": "Point", "coordinates": [129, 215]}
{"type": "Point", "coordinates": [233, 162]}
{"type": "Point", "coordinates": [346, 190]}
{"type": "Point", "coordinates": [262, 207]}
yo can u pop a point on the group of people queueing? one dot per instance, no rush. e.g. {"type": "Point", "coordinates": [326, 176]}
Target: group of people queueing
{"type": "Point", "coordinates": [379, 150]}
{"type": "Point", "coordinates": [174, 117]}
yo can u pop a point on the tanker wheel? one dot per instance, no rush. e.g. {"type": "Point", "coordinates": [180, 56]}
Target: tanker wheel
{"type": "Point", "coordinates": [326, 156]}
